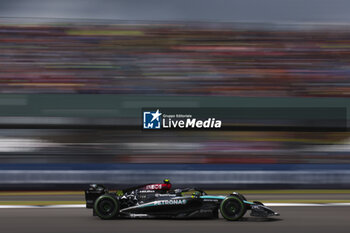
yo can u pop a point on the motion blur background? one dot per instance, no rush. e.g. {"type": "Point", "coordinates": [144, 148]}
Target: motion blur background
{"type": "Point", "coordinates": [74, 76]}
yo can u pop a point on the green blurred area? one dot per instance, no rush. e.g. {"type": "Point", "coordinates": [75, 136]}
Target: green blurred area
{"type": "Point", "coordinates": [129, 106]}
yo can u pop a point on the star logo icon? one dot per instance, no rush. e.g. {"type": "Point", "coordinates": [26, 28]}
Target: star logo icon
{"type": "Point", "coordinates": [156, 115]}
{"type": "Point", "coordinates": [152, 119]}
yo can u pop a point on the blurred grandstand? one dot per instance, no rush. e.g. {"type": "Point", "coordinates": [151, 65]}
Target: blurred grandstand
{"type": "Point", "coordinates": [72, 92]}
{"type": "Point", "coordinates": [175, 59]}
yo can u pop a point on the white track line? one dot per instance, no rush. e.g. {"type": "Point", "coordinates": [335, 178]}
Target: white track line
{"type": "Point", "coordinates": [83, 206]}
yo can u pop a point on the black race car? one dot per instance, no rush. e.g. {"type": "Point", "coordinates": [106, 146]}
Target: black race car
{"type": "Point", "coordinates": [159, 201]}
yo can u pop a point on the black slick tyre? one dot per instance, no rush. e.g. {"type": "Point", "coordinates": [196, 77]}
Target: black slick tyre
{"type": "Point", "coordinates": [106, 207]}
{"type": "Point", "coordinates": [232, 208]}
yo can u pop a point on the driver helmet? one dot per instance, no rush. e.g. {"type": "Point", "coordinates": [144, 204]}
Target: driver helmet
{"type": "Point", "coordinates": [196, 194]}
{"type": "Point", "coordinates": [166, 181]}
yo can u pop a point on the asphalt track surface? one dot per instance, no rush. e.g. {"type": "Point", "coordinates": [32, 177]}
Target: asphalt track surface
{"type": "Point", "coordinates": [292, 219]}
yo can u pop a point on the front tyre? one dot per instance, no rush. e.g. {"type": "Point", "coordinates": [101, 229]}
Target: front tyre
{"type": "Point", "coordinates": [232, 208]}
{"type": "Point", "coordinates": [106, 207]}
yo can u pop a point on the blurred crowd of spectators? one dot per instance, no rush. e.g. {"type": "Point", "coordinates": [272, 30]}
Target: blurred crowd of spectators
{"type": "Point", "coordinates": [174, 59]}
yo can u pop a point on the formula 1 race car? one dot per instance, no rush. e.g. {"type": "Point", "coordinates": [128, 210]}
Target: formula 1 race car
{"type": "Point", "coordinates": [160, 201]}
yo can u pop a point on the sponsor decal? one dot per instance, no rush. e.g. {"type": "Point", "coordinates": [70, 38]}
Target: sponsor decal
{"type": "Point", "coordinates": [164, 195]}
{"type": "Point", "coordinates": [171, 202]}
{"type": "Point", "coordinates": [154, 186]}
{"type": "Point", "coordinates": [212, 200]}
{"type": "Point", "coordinates": [146, 191]}
{"type": "Point", "coordinates": [138, 215]}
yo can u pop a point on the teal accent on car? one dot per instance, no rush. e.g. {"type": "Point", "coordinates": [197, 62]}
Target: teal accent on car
{"type": "Point", "coordinates": [222, 198]}
{"type": "Point", "coordinates": [249, 202]}
{"type": "Point", "coordinates": [147, 205]}
{"type": "Point", "coordinates": [139, 206]}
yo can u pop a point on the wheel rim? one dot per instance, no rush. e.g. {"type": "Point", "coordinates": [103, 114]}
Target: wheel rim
{"type": "Point", "coordinates": [107, 208]}
{"type": "Point", "coordinates": [232, 208]}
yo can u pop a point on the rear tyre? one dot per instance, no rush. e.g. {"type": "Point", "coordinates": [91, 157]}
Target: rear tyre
{"type": "Point", "coordinates": [106, 207]}
{"type": "Point", "coordinates": [232, 208]}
